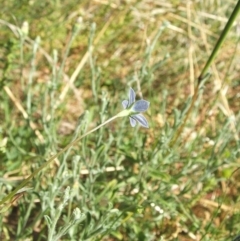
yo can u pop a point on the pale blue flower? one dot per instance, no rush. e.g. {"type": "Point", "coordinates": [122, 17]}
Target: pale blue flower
{"type": "Point", "coordinates": [136, 107]}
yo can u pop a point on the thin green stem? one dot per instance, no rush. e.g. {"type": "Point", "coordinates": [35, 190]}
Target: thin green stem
{"type": "Point", "coordinates": [23, 183]}
{"type": "Point", "coordinates": [220, 41]}
{"type": "Point", "coordinates": [203, 75]}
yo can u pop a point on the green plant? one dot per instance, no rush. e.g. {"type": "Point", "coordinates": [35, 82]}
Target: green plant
{"type": "Point", "coordinates": [177, 180]}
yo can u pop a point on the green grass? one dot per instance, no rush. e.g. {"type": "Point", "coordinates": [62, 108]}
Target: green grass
{"type": "Point", "coordinates": [177, 180]}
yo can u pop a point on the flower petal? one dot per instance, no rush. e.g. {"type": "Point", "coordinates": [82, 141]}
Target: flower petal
{"type": "Point", "coordinates": [132, 96]}
{"type": "Point", "coordinates": [125, 104]}
{"type": "Point", "coordinates": [140, 106]}
{"type": "Point", "coordinates": [141, 120]}
{"type": "Point", "coordinates": [132, 122]}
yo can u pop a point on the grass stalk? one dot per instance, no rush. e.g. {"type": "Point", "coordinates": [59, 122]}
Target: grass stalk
{"type": "Point", "coordinates": [220, 41]}
{"type": "Point", "coordinates": [203, 74]}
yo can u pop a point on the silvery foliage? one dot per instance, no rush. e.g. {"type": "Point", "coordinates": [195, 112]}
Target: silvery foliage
{"type": "Point", "coordinates": [136, 107]}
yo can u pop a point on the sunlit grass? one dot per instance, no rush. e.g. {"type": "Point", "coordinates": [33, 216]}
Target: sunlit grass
{"type": "Point", "coordinates": [119, 183]}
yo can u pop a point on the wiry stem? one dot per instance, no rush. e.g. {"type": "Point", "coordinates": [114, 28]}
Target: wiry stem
{"type": "Point", "coordinates": [220, 41]}
{"type": "Point", "coordinates": [203, 75]}
{"type": "Point", "coordinates": [23, 183]}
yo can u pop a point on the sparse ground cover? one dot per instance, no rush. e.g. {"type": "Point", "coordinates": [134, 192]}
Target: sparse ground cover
{"type": "Point", "coordinates": [66, 66]}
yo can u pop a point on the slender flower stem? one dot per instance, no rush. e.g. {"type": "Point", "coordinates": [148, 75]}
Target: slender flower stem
{"type": "Point", "coordinates": [23, 183]}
